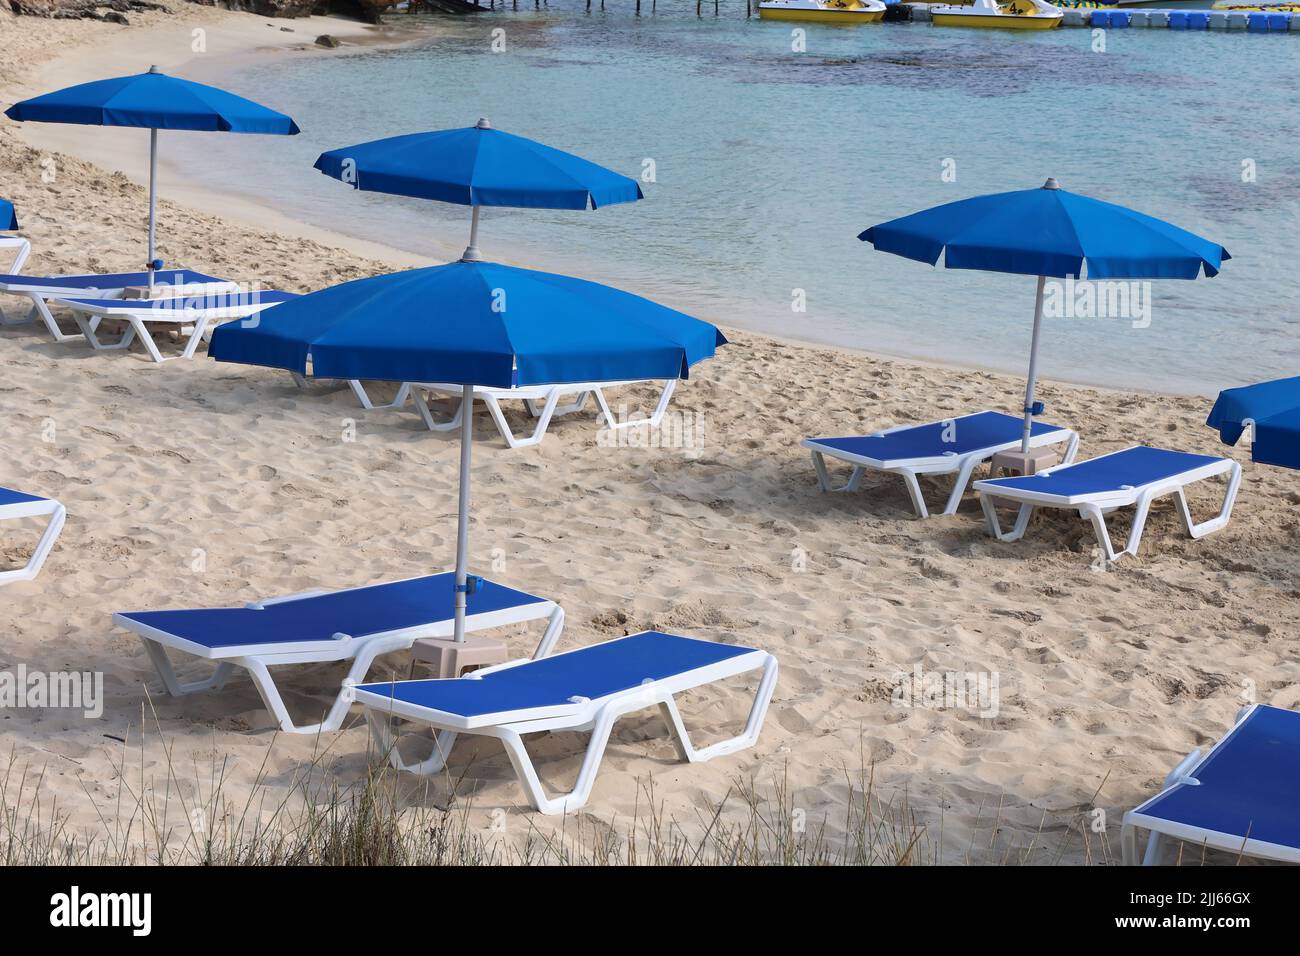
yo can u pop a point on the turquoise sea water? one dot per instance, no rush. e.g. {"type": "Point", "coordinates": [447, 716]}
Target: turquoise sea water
{"type": "Point", "coordinates": [769, 162]}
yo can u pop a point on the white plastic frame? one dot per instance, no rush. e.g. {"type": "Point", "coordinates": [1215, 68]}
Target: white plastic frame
{"type": "Point", "coordinates": [41, 295]}
{"type": "Point", "coordinates": [597, 716]}
{"type": "Point", "coordinates": [1095, 506]}
{"type": "Point", "coordinates": [139, 315]}
{"type": "Point", "coordinates": [257, 658]}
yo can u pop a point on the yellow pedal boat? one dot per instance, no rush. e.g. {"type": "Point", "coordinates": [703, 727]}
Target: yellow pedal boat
{"type": "Point", "coordinates": [823, 11]}
{"type": "Point", "coordinates": [1015, 15]}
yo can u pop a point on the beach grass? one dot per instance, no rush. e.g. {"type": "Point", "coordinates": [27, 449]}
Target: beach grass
{"type": "Point", "coordinates": [172, 815]}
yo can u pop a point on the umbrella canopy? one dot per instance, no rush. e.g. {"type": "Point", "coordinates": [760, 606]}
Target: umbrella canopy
{"type": "Point", "coordinates": [1273, 409]}
{"type": "Point", "coordinates": [478, 166]}
{"type": "Point", "coordinates": [474, 323]}
{"type": "Point", "coordinates": [1048, 232]}
{"type": "Point", "coordinates": [152, 101]}
{"type": "Point", "coordinates": [8, 215]}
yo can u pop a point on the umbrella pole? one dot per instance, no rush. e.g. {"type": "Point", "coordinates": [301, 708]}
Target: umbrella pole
{"type": "Point", "coordinates": [1033, 367]}
{"type": "Point", "coordinates": [471, 253]}
{"type": "Point", "coordinates": [153, 199]}
{"type": "Point", "coordinates": [462, 528]}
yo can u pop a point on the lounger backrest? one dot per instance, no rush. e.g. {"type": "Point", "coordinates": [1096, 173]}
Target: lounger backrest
{"type": "Point", "coordinates": [357, 612]}
{"type": "Point", "coordinates": [958, 436]}
{"type": "Point", "coordinates": [1130, 468]}
{"type": "Point", "coordinates": [553, 682]}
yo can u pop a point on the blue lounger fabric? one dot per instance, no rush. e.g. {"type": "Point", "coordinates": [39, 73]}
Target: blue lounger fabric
{"type": "Point", "coordinates": [357, 612]}
{"type": "Point", "coordinates": [591, 672]}
{"type": "Point", "coordinates": [112, 280]}
{"type": "Point", "coordinates": [9, 497]}
{"type": "Point", "coordinates": [1249, 785]}
{"type": "Point", "coordinates": [1132, 467]}
{"type": "Point", "coordinates": [972, 432]}
{"type": "Point", "coordinates": [199, 302]}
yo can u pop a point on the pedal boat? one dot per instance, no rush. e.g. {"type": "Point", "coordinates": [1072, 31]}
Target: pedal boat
{"type": "Point", "coordinates": [1016, 15]}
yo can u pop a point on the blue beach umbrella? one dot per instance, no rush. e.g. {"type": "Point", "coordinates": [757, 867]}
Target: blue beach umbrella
{"type": "Point", "coordinates": [8, 215]}
{"type": "Point", "coordinates": [1272, 410]}
{"type": "Point", "coordinates": [1048, 232]}
{"type": "Point", "coordinates": [152, 101]}
{"type": "Point", "coordinates": [478, 166]}
{"type": "Point", "coordinates": [475, 323]}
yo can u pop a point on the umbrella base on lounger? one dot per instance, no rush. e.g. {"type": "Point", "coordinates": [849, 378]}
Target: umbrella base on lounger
{"type": "Point", "coordinates": [447, 658]}
{"type": "Point", "coordinates": [1024, 463]}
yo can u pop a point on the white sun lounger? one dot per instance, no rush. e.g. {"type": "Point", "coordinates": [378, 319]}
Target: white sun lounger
{"type": "Point", "coordinates": [1241, 797]}
{"type": "Point", "coordinates": [15, 505]}
{"type": "Point", "coordinates": [542, 401]}
{"type": "Point", "coordinates": [39, 290]}
{"type": "Point", "coordinates": [195, 316]}
{"type": "Point", "coordinates": [1134, 477]}
{"type": "Point", "coordinates": [585, 689]}
{"type": "Point", "coordinates": [356, 624]}
{"type": "Point", "coordinates": [950, 446]}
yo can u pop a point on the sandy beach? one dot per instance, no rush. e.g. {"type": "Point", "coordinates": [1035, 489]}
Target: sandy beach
{"type": "Point", "coordinates": [198, 484]}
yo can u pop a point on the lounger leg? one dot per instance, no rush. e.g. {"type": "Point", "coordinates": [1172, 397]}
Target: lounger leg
{"type": "Point", "coordinates": [42, 309]}
{"type": "Point", "coordinates": [90, 330]}
{"type": "Point", "coordinates": [527, 773]}
{"type": "Point", "coordinates": [1099, 524]}
{"type": "Point", "coordinates": [421, 402]}
{"type": "Point", "coordinates": [200, 333]}
{"type": "Point", "coordinates": [270, 695]}
{"type": "Point", "coordinates": [824, 477]}
{"type": "Point", "coordinates": [914, 492]}
{"type": "Point", "coordinates": [142, 333]}
{"type": "Point", "coordinates": [57, 516]}
{"type": "Point", "coordinates": [1071, 449]}
{"type": "Point", "coordinates": [1225, 512]}
{"type": "Point", "coordinates": [539, 430]}
{"type": "Point", "coordinates": [578, 404]}
{"type": "Point", "coordinates": [753, 725]}
{"type": "Point", "coordinates": [1017, 531]}
{"type": "Point", "coordinates": [381, 731]}
{"type": "Point", "coordinates": [960, 485]}
{"type": "Point", "coordinates": [653, 421]}
{"type": "Point", "coordinates": [363, 396]}
{"type": "Point", "coordinates": [163, 665]}
{"type": "Point", "coordinates": [553, 628]}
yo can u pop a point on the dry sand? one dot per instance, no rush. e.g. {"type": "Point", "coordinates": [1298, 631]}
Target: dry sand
{"type": "Point", "coordinates": [1107, 678]}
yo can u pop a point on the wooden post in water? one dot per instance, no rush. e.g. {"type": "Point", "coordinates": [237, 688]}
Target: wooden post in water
{"type": "Point", "coordinates": [715, 7]}
{"type": "Point", "coordinates": [638, 8]}
{"type": "Point", "coordinates": [697, 7]}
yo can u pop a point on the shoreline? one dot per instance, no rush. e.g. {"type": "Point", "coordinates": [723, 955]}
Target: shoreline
{"type": "Point", "coordinates": [236, 36]}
